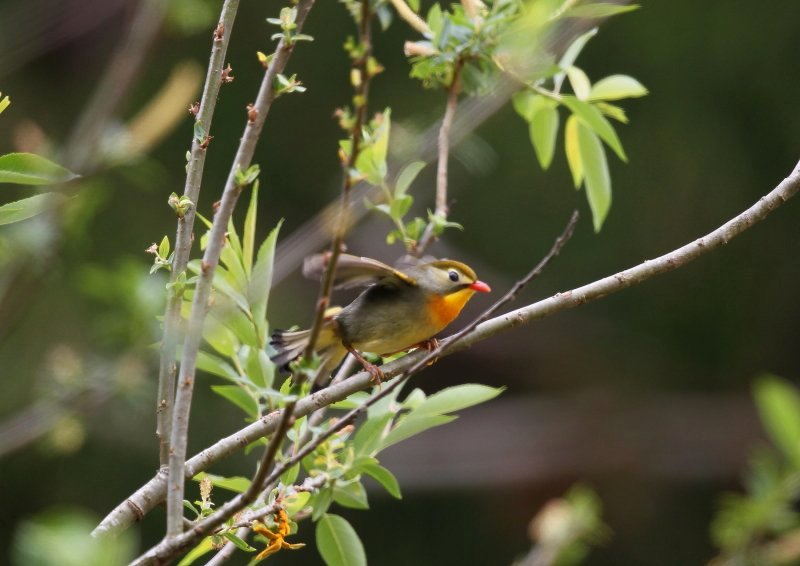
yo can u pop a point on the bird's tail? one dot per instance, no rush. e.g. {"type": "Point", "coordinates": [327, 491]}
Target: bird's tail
{"type": "Point", "coordinates": [290, 344]}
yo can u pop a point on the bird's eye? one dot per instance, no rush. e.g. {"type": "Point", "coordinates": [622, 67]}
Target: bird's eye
{"type": "Point", "coordinates": [453, 276]}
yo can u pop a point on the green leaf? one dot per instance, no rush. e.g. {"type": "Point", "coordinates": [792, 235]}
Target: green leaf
{"type": "Point", "coordinates": [249, 237]}
{"type": "Point", "coordinates": [201, 549]}
{"type": "Point", "coordinates": [296, 501]}
{"type": "Point", "coordinates": [352, 495]}
{"type": "Point", "coordinates": [163, 247]}
{"type": "Point", "coordinates": [407, 176]}
{"type": "Point", "coordinates": [612, 111]}
{"type": "Point", "coordinates": [383, 477]}
{"type": "Point", "coordinates": [238, 397]}
{"type": "Point", "coordinates": [238, 484]}
{"type": "Point", "coordinates": [616, 87]}
{"type": "Point", "coordinates": [338, 542]}
{"type": "Point", "coordinates": [525, 104]}
{"type": "Point", "coordinates": [220, 338]}
{"type": "Point", "coordinates": [239, 543]}
{"type": "Point", "coordinates": [413, 425]}
{"type": "Point", "coordinates": [261, 279]}
{"type": "Point", "coordinates": [28, 207]}
{"type": "Point", "coordinates": [594, 119]}
{"type": "Point", "coordinates": [455, 398]}
{"type": "Point", "coordinates": [260, 368]}
{"type": "Point", "coordinates": [321, 502]}
{"type": "Point", "coordinates": [368, 438]}
{"type": "Point", "coordinates": [216, 366]}
{"type": "Point", "coordinates": [190, 507]}
{"type": "Point", "coordinates": [600, 10]}
{"type": "Point", "coordinates": [290, 476]}
{"type": "Point", "coordinates": [581, 85]}
{"type": "Point", "coordinates": [571, 54]}
{"type": "Point", "coordinates": [543, 130]}
{"type": "Point", "coordinates": [598, 180]}
{"type": "Point", "coordinates": [778, 405]}
{"type": "Point", "coordinates": [31, 169]}
{"type": "Point", "coordinates": [400, 206]}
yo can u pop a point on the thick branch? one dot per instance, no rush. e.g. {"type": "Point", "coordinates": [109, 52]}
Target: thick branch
{"type": "Point", "coordinates": [149, 495]}
{"type": "Point", "coordinates": [183, 237]}
{"type": "Point", "coordinates": [244, 156]}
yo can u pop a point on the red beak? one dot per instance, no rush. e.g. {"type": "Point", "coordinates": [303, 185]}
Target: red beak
{"type": "Point", "coordinates": [480, 286]}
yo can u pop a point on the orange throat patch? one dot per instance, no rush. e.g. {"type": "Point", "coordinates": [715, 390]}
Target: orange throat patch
{"type": "Point", "coordinates": [444, 309]}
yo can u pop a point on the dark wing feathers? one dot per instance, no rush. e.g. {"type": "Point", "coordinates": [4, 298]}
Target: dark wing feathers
{"type": "Point", "coordinates": [352, 271]}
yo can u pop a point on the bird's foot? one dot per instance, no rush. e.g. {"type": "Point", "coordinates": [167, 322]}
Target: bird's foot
{"type": "Point", "coordinates": [375, 372]}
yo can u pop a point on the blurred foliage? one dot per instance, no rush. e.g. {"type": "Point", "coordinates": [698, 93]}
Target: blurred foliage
{"type": "Point", "coordinates": [762, 526]}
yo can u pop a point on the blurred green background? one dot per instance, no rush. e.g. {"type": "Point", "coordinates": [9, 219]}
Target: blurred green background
{"type": "Point", "coordinates": [644, 395]}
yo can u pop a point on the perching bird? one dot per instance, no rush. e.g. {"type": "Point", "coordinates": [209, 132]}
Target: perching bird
{"type": "Point", "coordinates": [401, 308]}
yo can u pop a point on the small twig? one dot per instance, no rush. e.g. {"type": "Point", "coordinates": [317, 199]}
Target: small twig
{"type": "Point", "coordinates": [444, 156]}
{"type": "Point", "coordinates": [153, 492]}
{"type": "Point", "coordinates": [361, 66]}
{"type": "Point", "coordinates": [183, 238]}
{"type": "Point", "coordinates": [185, 387]}
{"type": "Point", "coordinates": [309, 485]}
{"type": "Point", "coordinates": [411, 18]}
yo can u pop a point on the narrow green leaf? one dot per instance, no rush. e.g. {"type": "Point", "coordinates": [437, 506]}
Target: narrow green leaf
{"type": "Point", "coordinates": [598, 180]}
{"type": "Point", "coordinates": [369, 435]}
{"type": "Point", "coordinates": [600, 10]}
{"type": "Point", "coordinates": [238, 484]}
{"type": "Point", "coordinates": [612, 111]}
{"type": "Point", "coordinates": [338, 542]}
{"type": "Point", "coordinates": [581, 85]}
{"type": "Point", "coordinates": [352, 495]}
{"type": "Point", "coordinates": [239, 543]}
{"type": "Point", "coordinates": [594, 119]}
{"type": "Point", "coordinates": [290, 476]}
{"type": "Point", "coordinates": [543, 130]}
{"type": "Point", "coordinates": [28, 207]}
{"type": "Point", "coordinates": [190, 507]}
{"type": "Point", "coordinates": [572, 149]}
{"type": "Point", "coordinates": [31, 169]}
{"type": "Point", "coordinates": [249, 237]}
{"type": "Point", "coordinates": [220, 338]}
{"type": "Point", "coordinates": [216, 366]}
{"type": "Point", "coordinates": [616, 87]}
{"type": "Point", "coordinates": [571, 54]}
{"type": "Point", "coordinates": [383, 477]}
{"type": "Point", "coordinates": [778, 404]}
{"type": "Point", "coordinates": [455, 398]}
{"type": "Point", "coordinates": [201, 549]}
{"type": "Point", "coordinates": [231, 258]}
{"type": "Point", "coordinates": [413, 425]}
{"type": "Point", "coordinates": [407, 176]}
{"type": "Point", "coordinates": [261, 279]}
{"type": "Point", "coordinates": [400, 206]}
{"type": "Point", "coordinates": [238, 397]}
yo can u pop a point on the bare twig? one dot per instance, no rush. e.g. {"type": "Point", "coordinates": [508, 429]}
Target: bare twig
{"type": "Point", "coordinates": [149, 495]}
{"type": "Point", "coordinates": [183, 238]}
{"type": "Point", "coordinates": [362, 71]}
{"type": "Point", "coordinates": [185, 387]}
{"type": "Point", "coordinates": [411, 18]}
{"type": "Point", "coordinates": [444, 156]}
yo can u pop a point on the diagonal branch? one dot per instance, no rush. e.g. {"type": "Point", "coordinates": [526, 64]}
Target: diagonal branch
{"type": "Point", "coordinates": [152, 493]}
{"type": "Point", "coordinates": [183, 238]}
{"type": "Point", "coordinates": [185, 387]}
{"type": "Point", "coordinates": [361, 69]}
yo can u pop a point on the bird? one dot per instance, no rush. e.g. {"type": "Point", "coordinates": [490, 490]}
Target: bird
{"type": "Point", "coordinates": [402, 307]}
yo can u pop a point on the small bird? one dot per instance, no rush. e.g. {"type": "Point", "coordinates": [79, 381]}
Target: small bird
{"type": "Point", "coordinates": [402, 307]}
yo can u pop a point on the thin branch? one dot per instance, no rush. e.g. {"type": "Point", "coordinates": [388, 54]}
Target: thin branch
{"type": "Point", "coordinates": [152, 493]}
{"type": "Point", "coordinates": [227, 551]}
{"type": "Point", "coordinates": [444, 156]}
{"type": "Point", "coordinates": [361, 68]}
{"type": "Point", "coordinates": [183, 238]}
{"type": "Point", "coordinates": [411, 18]}
{"type": "Point", "coordinates": [185, 387]}
{"type": "Point", "coordinates": [169, 547]}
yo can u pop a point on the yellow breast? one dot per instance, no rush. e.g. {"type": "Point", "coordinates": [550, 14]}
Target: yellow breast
{"type": "Point", "coordinates": [443, 309]}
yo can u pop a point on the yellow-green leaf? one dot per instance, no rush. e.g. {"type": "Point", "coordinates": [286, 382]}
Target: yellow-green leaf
{"type": "Point", "coordinates": [572, 149]}
{"type": "Point", "coordinates": [598, 180]}
{"type": "Point", "coordinates": [31, 169]}
{"type": "Point", "coordinates": [338, 542]}
{"type": "Point", "coordinates": [616, 87]}
{"type": "Point", "coordinates": [543, 130]}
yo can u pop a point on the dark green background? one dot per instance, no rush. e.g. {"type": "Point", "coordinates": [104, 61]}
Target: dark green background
{"type": "Point", "coordinates": [719, 129]}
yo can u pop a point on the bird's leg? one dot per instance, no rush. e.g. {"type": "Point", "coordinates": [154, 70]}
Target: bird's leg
{"type": "Point", "coordinates": [376, 372]}
{"type": "Point", "coordinates": [430, 344]}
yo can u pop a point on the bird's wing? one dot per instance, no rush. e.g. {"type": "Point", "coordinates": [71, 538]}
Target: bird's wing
{"type": "Point", "coordinates": [353, 271]}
